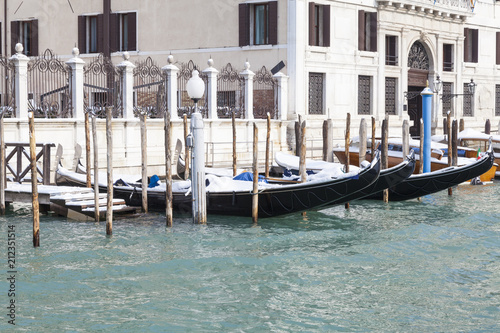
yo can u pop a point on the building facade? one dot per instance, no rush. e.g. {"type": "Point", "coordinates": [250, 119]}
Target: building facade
{"type": "Point", "coordinates": [368, 58]}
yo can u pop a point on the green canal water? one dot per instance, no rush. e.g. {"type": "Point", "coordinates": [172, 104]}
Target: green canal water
{"type": "Point", "coordinates": [429, 266]}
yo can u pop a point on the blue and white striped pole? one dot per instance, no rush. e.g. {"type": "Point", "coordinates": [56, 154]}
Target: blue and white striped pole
{"type": "Point", "coordinates": [426, 116]}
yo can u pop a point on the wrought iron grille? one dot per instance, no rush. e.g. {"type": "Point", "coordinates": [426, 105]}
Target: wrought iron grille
{"type": "Point", "coordinates": [184, 104]}
{"type": "Point", "coordinates": [264, 94]}
{"type": "Point", "coordinates": [468, 112]}
{"type": "Point", "coordinates": [418, 58]}
{"type": "Point", "coordinates": [447, 102]}
{"type": "Point", "coordinates": [316, 86]}
{"type": "Point", "coordinates": [497, 100]}
{"type": "Point", "coordinates": [364, 94]}
{"type": "Point", "coordinates": [230, 93]}
{"type": "Point", "coordinates": [390, 95]}
{"type": "Point", "coordinates": [49, 91]}
{"type": "Point", "coordinates": [7, 93]}
{"type": "Point", "coordinates": [150, 89]}
{"type": "Point", "coordinates": [102, 87]}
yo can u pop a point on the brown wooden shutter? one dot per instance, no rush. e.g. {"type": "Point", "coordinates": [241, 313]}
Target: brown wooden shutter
{"type": "Point", "coordinates": [326, 25]}
{"type": "Point", "coordinates": [132, 31]}
{"type": "Point", "coordinates": [466, 45]}
{"type": "Point", "coordinates": [34, 38]}
{"type": "Point", "coordinates": [114, 32]}
{"type": "Point", "coordinates": [100, 33]}
{"type": "Point", "coordinates": [82, 34]}
{"type": "Point", "coordinates": [361, 30]}
{"type": "Point", "coordinates": [312, 33]}
{"type": "Point", "coordinates": [475, 45]}
{"type": "Point", "coordinates": [14, 36]}
{"type": "Point", "coordinates": [244, 24]}
{"type": "Point", "coordinates": [273, 23]}
{"type": "Point", "coordinates": [498, 48]}
{"type": "Point", "coordinates": [373, 32]}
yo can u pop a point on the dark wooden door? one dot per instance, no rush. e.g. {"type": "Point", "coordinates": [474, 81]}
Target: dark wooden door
{"type": "Point", "coordinates": [415, 110]}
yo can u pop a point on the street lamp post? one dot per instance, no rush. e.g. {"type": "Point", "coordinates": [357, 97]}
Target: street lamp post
{"type": "Point", "coordinates": [196, 88]}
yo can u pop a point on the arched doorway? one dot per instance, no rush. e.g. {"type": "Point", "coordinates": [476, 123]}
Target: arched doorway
{"type": "Point", "coordinates": [418, 73]}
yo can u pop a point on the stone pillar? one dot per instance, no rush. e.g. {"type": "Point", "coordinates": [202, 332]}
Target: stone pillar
{"type": "Point", "coordinates": [171, 71]}
{"type": "Point", "coordinates": [21, 81]}
{"type": "Point", "coordinates": [77, 97]}
{"type": "Point", "coordinates": [211, 89]}
{"type": "Point", "coordinates": [282, 81]}
{"type": "Point", "coordinates": [248, 76]}
{"type": "Point", "coordinates": [127, 70]}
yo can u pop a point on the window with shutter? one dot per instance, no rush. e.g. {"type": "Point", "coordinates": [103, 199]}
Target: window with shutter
{"type": "Point", "coordinates": [319, 25]}
{"type": "Point", "coordinates": [498, 48]}
{"type": "Point", "coordinates": [90, 34]}
{"type": "Point", "coordinates": [471, 45]}
{"type": "Point", "coordinates": [26, 33]}
{"type": "Point", "coordinates": [367, 31]}
{"type": "Point", "coordinates": [258, 23]}
{"type": "Point", "coordinates": [448, 58]}
{"type": "Point", "coordinates": [391, 50]}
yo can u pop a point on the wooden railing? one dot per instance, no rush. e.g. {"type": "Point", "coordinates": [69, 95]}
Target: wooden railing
{"type": "Point", "coordinates": [19, 166]}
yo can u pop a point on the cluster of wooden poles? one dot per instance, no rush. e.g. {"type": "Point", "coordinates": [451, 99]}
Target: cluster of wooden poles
{"type": "Point", "coordinates": [300, 128]}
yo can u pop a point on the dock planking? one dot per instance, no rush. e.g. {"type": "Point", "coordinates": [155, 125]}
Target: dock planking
{"type": "Point", "coordinates": [75, 203]}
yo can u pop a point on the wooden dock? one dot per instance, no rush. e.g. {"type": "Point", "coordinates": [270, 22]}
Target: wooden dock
{"type": "Point", "coordinates": [76, 203]}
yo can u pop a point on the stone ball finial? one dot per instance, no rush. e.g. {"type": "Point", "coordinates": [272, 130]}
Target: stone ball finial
{"type": "Point", "coordinates": [75, 52]}
{"type": "Point", "coordinates": [210, 62]}
{"type": "Point", "coordinates": [247, 65]}
{"type": "Point", "coordinates": [19, 48]}
{"type": "Point", "coordinates": [126, 56]}
{"type": "Point", "coordinates": [170, 59]}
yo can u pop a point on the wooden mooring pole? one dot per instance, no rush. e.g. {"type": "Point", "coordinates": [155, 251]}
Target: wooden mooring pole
{"type": "Point", "coordinates": [96, 167]}
{"type": "Point", "coordinates": [362, 141]}
{"type": "Point", "coordinates": [373, 138]}
{"type": "Point", "coordinates": [450, 148]}
{"type": "Point", "coordinates": [454, 143]}
{"type": "Point", "coordinates": [34, 182]}
{"type": "Point", "coordinates": [109, 141]}
{"type": "Point", "coordinates": [255, 197]}
{"type": "Point", "coordinates": [144, 161]}
{"type": "Point", "coordinates": [87, 149]}
{"type": "Point", "coordinates": [168, 169]}
{"type": "Point", "coordinates": [2, 164]}
{"type": "Point", "coordinates": [302, 157]}
{"type": "Point", "coordinates": [233, 123]}
{"type": "Point", "coordinates": [268, 145]}
{"type": "Point", "coordinates": [385, 153]}
{"type": "Point", "coordinates": [406, 138]}
{"type": "Point", "coordinates": [187, 158]}
{"type": "Point", "coordinates": [328, 140]}
{"type": "Point", "coordinates": [347, 141]}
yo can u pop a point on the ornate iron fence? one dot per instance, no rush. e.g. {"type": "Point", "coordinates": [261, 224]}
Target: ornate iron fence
{"type": "Point", "coordinates": [49, 94]}
{"type": "Point", "coordinates": [7, 92]}
{"type": "Point", "coordinates": [102, 87]}
{"type": "Point", "coordinates": [184, 103]}
{"type": "Point", "coordinates": [230, 93]}
{"type": "Point", "coordinates": [150, 88]}
{"type": "Point", "coordinates": [265, 95]}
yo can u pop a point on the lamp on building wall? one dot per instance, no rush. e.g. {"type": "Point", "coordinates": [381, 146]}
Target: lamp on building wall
{"type": "Point", "coordinates": [438, 85]}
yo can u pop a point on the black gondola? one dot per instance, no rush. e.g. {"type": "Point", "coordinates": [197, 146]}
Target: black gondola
{"type": "Point", "coordinates": [388, 178]}
{"type": "Point", "coordinates": [427, 183]}
{"type": "Point", "coordinates": [273, 201]}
